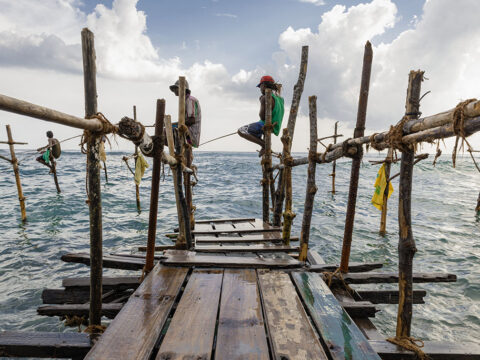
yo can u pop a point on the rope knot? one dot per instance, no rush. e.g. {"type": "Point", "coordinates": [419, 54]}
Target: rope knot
{"type": "Point", "coordinates": [288, 161]}
{"type": "Point", "coordinates": [412, 344]}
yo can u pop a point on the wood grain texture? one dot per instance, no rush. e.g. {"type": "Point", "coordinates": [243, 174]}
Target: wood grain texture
{"type": "Point", "coordinates": [241, 330]}
{"type": "Point", "coordinates": [244, 248]}
{"type": "Point", "coordinates": [388, 278]}
{"type": "Point", "coordinates": [291, 334]}
{"type": "Point", "coordinates": [352, 267]}
{"type": "Point", "coordinates": [192, 329]}
{"type": "Point", "coordinates": [234, 220]}
{"type": "Point", "coordinates": [265, 237]}
{"type": "Point", "coordinates": [137, 327]}
{"type": "Point", "coordinates": [119, 282]}
{"type": "Point", "coordinates": [108, 310]}
{"type": "Point", "coordinates": [109, 261]}
{"type": "Point", "coordinates": [235, 231]}
{"type": "Point", "coordinates": [343, 338]}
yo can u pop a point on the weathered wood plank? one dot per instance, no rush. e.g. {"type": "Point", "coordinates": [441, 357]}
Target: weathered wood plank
{"type": "Point", "coordinates": [109, 261]}
{"type": "Point", "coordinates": [236, 231]}
{"type": "Point", "coordinates": [44, 344]}
{"type": "Point", "coordinates": [291, 334]}
{"type": "Point", "coordinates": [233, 220]}
{"type": "Point", "coordinates": [390, 278]}
{"type": "Point", "coordinates": [109, 283]}
{"type": "Point", "coordinates": [191, 259]}
{"type": "Point", "coordinates": [359, 308]}
{"type": "Point", "coordinates": [108, 310]}
{"type": "Point", "coordinates": [241, 330]}
{"type": "Point", "coordinates": [314, 257]}
{"type": "Point", "coordinates": [435, 350]}
{"type": "Point", "coordinates": [353, 267]}
{"type": "Point", "coordinates": [389, 296]}
{"type": "Point", "coordinates": [342, 336]}
{"type": "Point", "coordinates": [192, 329]}
{"type": "Point", "coordinates": [368, 329]}
{"type": "Point", "coordinates": [157, 248]}
{"type": "Point", "coordinates": [64, 296]}
{"type": "Point", "coordinates": [266, 237]}
{"type": "Point", "coordinates": [133, 333]}
{"type": "Point", "coordinates": [244, 248]}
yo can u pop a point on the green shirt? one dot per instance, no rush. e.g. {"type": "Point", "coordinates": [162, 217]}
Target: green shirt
{"type": "Point", "coordinates": [277, 114]}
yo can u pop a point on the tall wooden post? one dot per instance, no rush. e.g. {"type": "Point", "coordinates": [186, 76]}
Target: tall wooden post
{"type": "Point", "coordinates": [288, 215]}
{"type": "Point", "coordinates": [137, 187]}
{"type": "Point", "coordinates": [359, 131]}
{"type": "Point", "coordinates": [188, 184]}
{"type": "Point", "coordinates": [406, 244]}
{"type": "Point", "coordinates": [16, 171]}
{"type": "Point", "coordinates": [267, 156]}
{"type": "Point", "coordinates": [334, 165]}
{"type": "Point", "coordinates": [383, 218]}
{"type": "Point", "coordinates": [157, 157]}
{"type": "Point", "coordinates": [93, 173]}
{"type": "Point", "coordinates": [311, 187]}
{"type": "Point", "coordinates": [54, 171]}
{"type": "Point", "coordinates": [478, 203]}
{"type": "Point", "coordinates": [292, 118]}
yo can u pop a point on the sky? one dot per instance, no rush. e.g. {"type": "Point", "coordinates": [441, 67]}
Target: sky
{"type": "Point", "coordinates": [223, 47]}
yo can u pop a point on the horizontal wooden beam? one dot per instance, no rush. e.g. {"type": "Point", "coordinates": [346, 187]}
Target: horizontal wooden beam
{"type": "Point", "coordinates": [389, 296]}
{"type": "Point", "coordinates": [236, 231]}
{"type": "Point", "coordinates": [359, 308]}
{"type": "Point", "coordinates": [13, 143]}
{"type": "Point", "coordinates": [244, 248]}
{"type": "Point", "coordinates": [108, 310]}
{"type": "Point", "coordinates": [353, 267]}
{"type": "Point", "coordinates": [44, 344]}
{"type": "Point", "coordinates": [112, 262]}
{"type": "Point", "coordinates": [223, 220]}
{"type": "Point", "coordinates": [157, 248]}
{"type": "Point", "coordinates": [436, 350]}
{"type": "Point", "coordinates": [108, 283]}
{"type": "Point", "coordinates": [390, 278]}
{"type": "Point", "coordinates": [240, 239]}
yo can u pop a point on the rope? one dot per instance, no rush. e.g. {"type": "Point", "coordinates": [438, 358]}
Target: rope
{"type": "Point", "coordinates": [410, 343]}
{"type": "Point", "coordinates": [95, 329]}
{"type": "Point", "coordinates": [220, 137]}
{"type": "Point", "coordinates": [373, 143]}
{"type": "Point", "coordinates": [437, 155]}
{"type": "Point", "coordinates": [458, 121]}
{"type": "Point", "coordinates": [337, 274]}
{"type": "Point", "coordinates": [395, 134]}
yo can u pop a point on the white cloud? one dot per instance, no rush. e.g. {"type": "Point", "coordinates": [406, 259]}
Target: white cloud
{"type": "Point", "coordinates": [233, 16]}
{"type": "Point", "coordinates": [315, 2]}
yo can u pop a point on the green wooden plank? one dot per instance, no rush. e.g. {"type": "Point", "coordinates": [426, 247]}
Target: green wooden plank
{"type": "Point", "coordinates": [343, 338]}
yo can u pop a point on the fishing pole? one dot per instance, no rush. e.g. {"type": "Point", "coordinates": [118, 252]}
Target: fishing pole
{"type": "Point", "coordinates": [220, 137]}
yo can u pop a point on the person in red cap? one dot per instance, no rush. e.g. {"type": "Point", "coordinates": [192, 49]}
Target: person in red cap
{"type": "Point", "coordinates": [254, 132]}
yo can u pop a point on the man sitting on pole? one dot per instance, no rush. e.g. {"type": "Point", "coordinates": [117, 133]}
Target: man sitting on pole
{"type": "Point", "coordinates": [50, 152]}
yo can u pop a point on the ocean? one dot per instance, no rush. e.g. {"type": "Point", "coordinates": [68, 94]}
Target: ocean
{"type": "Point", "coordinates": [445, 227]}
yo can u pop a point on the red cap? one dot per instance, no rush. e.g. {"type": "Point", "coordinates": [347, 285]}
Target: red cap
{"type": "Point", "coordinates": [266, 78]}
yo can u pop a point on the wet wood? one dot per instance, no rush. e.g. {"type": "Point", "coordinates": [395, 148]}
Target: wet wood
{"type": "Point", "coordinates": [108, 310]}
{"type": "Point", "coordinates": [241, 328]}
{"type": "Point", "coordinates": [343, 338]}
{"type": "Point", "coordinates": [191, 337]}
{"type": "Point", "coordinates": [157, 248]}
{"type": "Point", "coordinates": [255, 248]}
{"type": "Point", "coordinates": [44, 344]}
{"type": "Point", "coordinates": [81, 295]}
{"type": "Point", "coordinates": [231, 220]}
{"type": "Point", "coordinates": [267, 156]}
{"type": "Point", "coordinates": [157, 155]}
{"type": "Point", "coordinates": [137, 327]}
{"type": "Point", "coordinates": [314, 258]}
{"type": "Point", "coordinates": [389, 296]}
{"type": "Point", "coordinates": [192, 259]}
{"type": "Point", "coordinates": [368, 329]}
{"type": "Point", "coordinates": [267, 237]}
{"type": "Point", "coordinates": [436, 350]}
{"type": "Point", "coordinates": [391, 278]}
{"type": "Point", "coordinates": [16, 171]}
{"type": "Point", "coordinates": [311, 187]}
{"type": "Point", "coordinates": [352, 267]}
{"type": "Point", "coordinates": [291, 334]}
{"type": "Point", "coordinates": [357, 160]}
{"type": "Point", "coordinates": [359, 308]}
{"type": "Point", "coordinates": [109, 283]}
{"type": "Point", "coordinates": [109, 261]}
{"type": "Point", "coordinates": [236, 231]}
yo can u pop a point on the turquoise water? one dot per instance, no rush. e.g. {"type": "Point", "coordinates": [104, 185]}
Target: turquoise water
{"type": "Point", "coordinates": [445, 228]}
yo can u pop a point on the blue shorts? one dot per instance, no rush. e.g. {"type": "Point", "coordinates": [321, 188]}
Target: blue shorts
{"type": "Point", "coordinates": [255, 129]}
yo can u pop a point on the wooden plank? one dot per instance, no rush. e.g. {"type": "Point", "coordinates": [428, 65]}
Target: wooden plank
{"type": "Point", "coordinates": [436, 350]}
{"type": "Point", "coordinates": [314, 257]}
{"type": "Point", "coordinates": [81, 295]}
{"type": "Point", "coordinates": [157, 248]}
{"type": "Point", "coordinates": [241, 330]}
{"type": "Point", "coordinates": [368, 329]}
{"type": "Point", "coordinates": [192, 329]}
{"type": "Point", "coordinates": [242, 239]}
{"type": "Point", "coordinates": [113, 262]}
{"type": "Point", "coordinates": [343, 338]}
{"type": "Point", "coordinates": [389, 296]}
{"type": "Point", "coordinates": [244, 248]}
{"type": "Point", "coordinates": [291, 334]}
{"type": "Point", "coordinates": [191, 259]}
{"type": "Point", "coordinates": [389, 278]}
{"type": "Point", "coordinates": [108, 310]}
{"type": "Point", "coordinates": [133, 333]}
{"type": "Point", "coordinates": [235, 231]}
{"type": "Point", "coordinates": [233, 220]}
{"type": "Point", "coordinates": [44, 344]}
{"type": "Point", "coordinates": [109, 283]}
{"type": "Point", "coordinates": [354, 267]}
{"type": "Point", "coordinates": [359, 308]}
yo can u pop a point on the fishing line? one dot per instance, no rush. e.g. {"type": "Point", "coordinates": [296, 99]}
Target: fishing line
{"type": "Point", "coordinates": [220, 137]}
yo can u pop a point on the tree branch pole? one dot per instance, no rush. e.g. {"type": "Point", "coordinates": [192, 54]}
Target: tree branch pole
{"type": "Point", "coordinates": [383, 216]}
{"type": "Point", "coordinates": [334, 165]}
{"type": "Point", "coordinates": [292, 118]}
{"type": "Point", "coordinates": [406, 244]}
{"type": "Point", "coordinates": [477, 209]}
{"type": "Point", "coordinates": [137, 187]}
{"type": "Point", "coordinates": [93, 173]}
{"type": "Point", "coordinates": [16, 171]}
{"type": "Point", "coordinates": [288, 215]}
{"type": "Point", "coordinates": [157, 156]}
{"type": "Point", "coordinates": [54, 171]}
{"type": "Point", "coordinates": [311, 187]}
{"type": "Point", "coordinates": [267, 156]}
{"type": "Point", "coordinates": [356, 161]}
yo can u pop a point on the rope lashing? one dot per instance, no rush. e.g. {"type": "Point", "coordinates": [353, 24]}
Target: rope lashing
{"type": "Point", "coordinates": [458, 121]}
{"type": "Point", "coordinates": [373, 143]}
{"type": "Point", "coordinates": [412, 344]}
{"type": "Point", "coordinates": [95, 329]}
{"type": "Point", "coordinates": [337, 274]}
{"type": "Point", "coordinates": [268, 127]}
{"type": "Point", "coordinates": [395, 135]}
{"type": "Point", "coordinates": [288, 161]}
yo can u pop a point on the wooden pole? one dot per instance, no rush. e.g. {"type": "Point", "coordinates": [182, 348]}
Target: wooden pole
{"type": "Point", "coordinates": [16, 171]}
{"type": "Point", "coordinates": [93, 173]}
{"type": "Point", "coordinates": [137, 187]}
{"type": "Point", "coordinates": [288, 215]}
{"type": "Point", "coordinates": [406, 244]}
{"type": "Point", "coordinates": [157, 156]}
{"type": "Point", "coordinates": [477, 209]}
{"type": "Point", "coordinates": [356, 161]}
{"type": "Point", "coordinates": [54, 172]}
{"type": "Point", "coordinates": [334, 162]}
{"type": "Point", "coordinates": [311, 187]}
{"type": "Point", "coordinates": [188, 185]}
{"type": "Point", "coordinates": [267, 156]}
{"type": "Point", "coordinates": [292, 118]}
{"type": "Point", "coordinates": [383, 217]}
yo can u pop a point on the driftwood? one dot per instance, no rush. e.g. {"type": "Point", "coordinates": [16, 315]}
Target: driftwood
{"type": "Point", "coordinates": [311, 187]}
{"type": "Point", "coordinates": [267, 155]}
{"type": "Point", "coordinates": [292, 118]}
{"type": "Point", "coordinates": [357, 160]}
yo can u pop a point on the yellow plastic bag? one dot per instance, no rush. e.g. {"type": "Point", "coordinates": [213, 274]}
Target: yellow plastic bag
{"type": "Point", "coordinates": [380, 185]}
{"type": "Point", "coordinates": [141, 165]}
